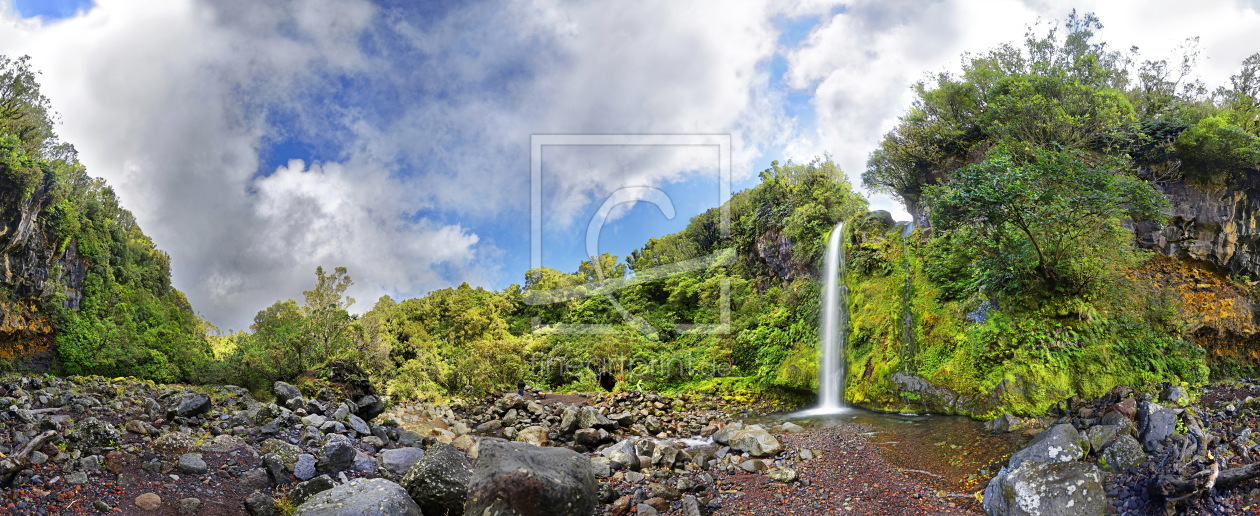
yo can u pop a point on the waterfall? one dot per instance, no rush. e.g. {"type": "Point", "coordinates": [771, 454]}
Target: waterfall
{"type": "Point", "coordinates": [834, 326]}
{"type": "Point", "coordinates": [907, 313]}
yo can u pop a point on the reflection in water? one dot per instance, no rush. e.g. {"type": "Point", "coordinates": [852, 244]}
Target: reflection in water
{"type": "Point", "coordinates": [954, 447]}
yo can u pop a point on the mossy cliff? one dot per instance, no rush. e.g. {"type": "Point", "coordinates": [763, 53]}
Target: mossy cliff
{"type": "Point", "coordinates": [1171, 319]}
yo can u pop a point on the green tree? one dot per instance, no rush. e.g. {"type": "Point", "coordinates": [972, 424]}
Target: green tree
{"type": "Point", "coordinates": [1052, 221]}
{"type": "Point", "coordinates": [327, 319]}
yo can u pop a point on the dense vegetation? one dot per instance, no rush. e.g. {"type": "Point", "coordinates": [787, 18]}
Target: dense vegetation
{"type": "Point", "coordinates": [129, 320]}
{"type": "Point", "coordinates": [467, 340]}
{"type": "Point", "coordinates": [1029, 166]}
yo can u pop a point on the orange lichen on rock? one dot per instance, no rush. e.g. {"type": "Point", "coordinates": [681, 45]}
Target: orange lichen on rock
{"type": "Point", "coordinates": [25, 330]}
{"type": "Point", "coordinates": [1218, 311]}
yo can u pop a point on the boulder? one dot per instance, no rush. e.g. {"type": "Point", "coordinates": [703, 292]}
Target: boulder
{"type": "Point", "coordinates": [1099, 436]}
{"type": "Point", "coordinates": [287, 452]}
{"type": "Point", "coordinates": [1174, 395]}
{"type": "Point", "coordinates": [191, 464]}
{"type": "Point", "coordinates": [398, 460]}
{"type": "Point", "coordinates": [337, 454]}
{"type": "Point", "coordinates": [1154, 424]}
{"type": "Point", "coordinates": [438, 481]}
{"type": "Point", "coordinates": [304, 467]}
{"type": "Point", "coordinates": [1046, 489]}
{"type": "Point", "coordinates": [305, 490]}
{"type": "Point", "coordinates": [589, 417]}
{"type": "Point", "coordinates": [361, 497]}
{"type": "Point", "coordinates": [784, 474]}
{"type": "Point", "coordinates": [285, 392]}
{"type": "Point", "coordinates": [1059, 443]}
{"type": "Point", "coordinates": [624, 454]}
{"type": "Point", "coordinates": [260, 504]}
{"type": "Point", "coordinates": [369, 407]}
{"type": "Point", "coordinates": [518, 479]}
{"type": "Point", "coordinates": [1004, 423]}
{"type": "Point", "coordinates": [1125, 452]}
{"type": "Point", "coordinates": [91, 433]}
{"type": "Point", "coordinates": [535, 435]}
{"type": "Point", "coordinates": [190, 404]}
{"type": "Point", "coordinates": [723, 435]}
{"type": "Point", "coordinates": [756, 441]}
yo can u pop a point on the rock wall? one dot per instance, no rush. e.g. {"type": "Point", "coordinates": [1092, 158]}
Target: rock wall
{"type": "Point", "coordinates": [35, 271]}
{"type": "Point", "coordinates": [1215, 224]}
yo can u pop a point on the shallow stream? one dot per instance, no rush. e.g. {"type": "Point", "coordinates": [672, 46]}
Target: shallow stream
{"type": "Point", "coordinates": [956, 449]}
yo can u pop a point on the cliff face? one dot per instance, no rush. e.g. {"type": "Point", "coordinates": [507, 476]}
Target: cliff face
{"type": "Point", "coordinates": [1211, 223]}
{"type": "Point", "coordinates": [35, 271]}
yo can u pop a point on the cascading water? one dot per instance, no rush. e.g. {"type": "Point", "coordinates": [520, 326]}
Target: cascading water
{"type": "Point", "coordinates": [907, 313]}
{"type": "Point", "coordinates": [835, 327]}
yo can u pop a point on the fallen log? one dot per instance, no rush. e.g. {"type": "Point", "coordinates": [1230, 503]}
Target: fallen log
{"type": "Point", "coordinates": [12, 465]}
{"type": "Point", "coordinates": [1171, 488]}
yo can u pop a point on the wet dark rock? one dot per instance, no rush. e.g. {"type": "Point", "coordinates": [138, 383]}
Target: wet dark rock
{"type": "Point", "coordinates": [1154, 424]}
{"type": "Point", "coordinates": [1004, 423]}
{"type": "Point", "coordinates": [516, 478]}
{"type": "Point", "coordinates": [438, 481]}
{"type": "Point", "coordinates": [285, 392]}
{"type": "Point", "coordinates": [305, 490]}
{"type": "Point", "coordinates": [368, 407]}
{"type": "Point", "coordinates": [337, 454]}
{"type": "Point", "coordinates": [190, 405]}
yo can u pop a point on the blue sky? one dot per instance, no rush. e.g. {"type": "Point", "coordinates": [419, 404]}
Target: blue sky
{"type": "Point", "coordinates": [257, 140]}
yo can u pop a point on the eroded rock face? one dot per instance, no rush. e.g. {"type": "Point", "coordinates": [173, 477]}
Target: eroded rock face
{"type": "Point", "coordinates": [1046, 489]}
{"type": "Point", "coordinates": [520, 479]}
{"type": "Point", "coordinates": [1219, 225]}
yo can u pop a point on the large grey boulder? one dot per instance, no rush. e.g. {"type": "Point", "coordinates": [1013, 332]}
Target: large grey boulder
{"type": "Point", "coordinates": [1046, 489]}
{"type": "Point", "coordinates": [624, 454]}
{"type": "Point", "coordinates": [438, 481]}
{"type": "Point", "coordinates": [1125, 452]}
{"type": "Point", "coordinates": [1059, 443]}
{"type": "Point", "coordinates": [369, 407]}
{"type": "Point", "coordinates": [285, 392]}
{"type": "Point", "coordinates": [361, 497]}
{"type": "Point", "coordinates": [589, 417]}
{"type": "Point", "coordinates": [723, 435]}
{"type": "Point", "coordinates": [337, 454]}
{"type": "Point", "coordinates": [520, 479]}
{"type": "Point", "coordinates": [756, 441]}
{"type": "Point", "coordinates": [190, 404]}
{"type": "Point", "coordinates": [398, 461]}
{"type": "Point", "coordinates": [1154, 424]}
